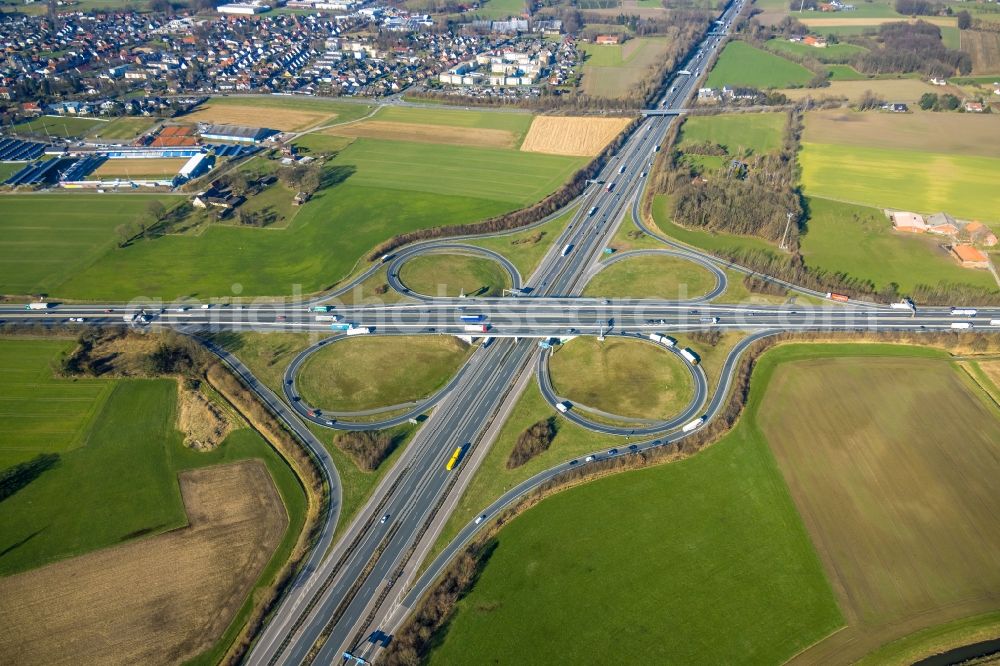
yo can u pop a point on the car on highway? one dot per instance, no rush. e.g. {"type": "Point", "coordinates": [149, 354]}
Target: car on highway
{"type": "Point", "coordinates": [108, 310]}
{"type": "Point", "coordinates": [384, 519]}
{"type": "Point", "coordinates": [612, 452]}
{"type": "Point", "coordinates": [280, 318]}
{"type": "Point", "coordinates": [480, 519]}
{"type": "Point", "coordinates": [589, 459]}
{"type": "Point", "coordinates": [573, 462]}
{"type": "Point", "coordinates": [633, 447]}
{"type": "Point", "coordinates": [76, 320]}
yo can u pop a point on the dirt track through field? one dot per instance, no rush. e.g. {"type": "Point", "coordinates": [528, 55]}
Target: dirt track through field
{"type": "Point", "coordinates": [460, 136]}
{"type": "Point", "coordinates": [566, 135]}
{"type": "Point", "coordinates": [160, 600]}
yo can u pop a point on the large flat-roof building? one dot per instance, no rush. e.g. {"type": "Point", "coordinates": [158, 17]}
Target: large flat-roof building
{"type": "Point", "coordinates": [235, 133]}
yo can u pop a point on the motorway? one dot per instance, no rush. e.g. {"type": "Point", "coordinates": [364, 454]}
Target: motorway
{"type": "Point", "coordinates": [367, 580]}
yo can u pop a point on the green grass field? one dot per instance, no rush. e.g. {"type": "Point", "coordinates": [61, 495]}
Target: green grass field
{"type": "Point", "coordinates": [8, 169]}
{"type": "Point", "coordinates": [832, 53]}
{"type": "Point", "coordinates": [340, 377]}
{"type": "Point", "coordinates": [614, 70]}
{"type": "Point", "coordinates": [46, 239]}
{"type": "Point", "coordinates": [115, 477]}
{"type": "Point", "coordinates": [500, 9]}
{"type": "Point", "coordinates": [704, 561]}
{"type": "Point", "coordinates": [962, 185]}
{"type": "Point", "coordinates": [649, 382]}
{"type": "Point", "coordinates": [845, 73]}
{"type": "Point", "coordinates": [743, 65]}
{"type": "Point", "coordinates": [515, 123]}
{"type": "Point", "coordinates": [454, 275]}
{"type": "Point", "coordinates": [124, 128]}
{"type": "Point", "coordinates": [860, 242]}
{"type": "Point", "coordinates": [39, 8]}
{"type": "Point", "coordinates": [525, 249]}
{"type": "Point", "coordinates": [61, 126]}
{"type": "Point", "coordinates": [651, 277]}
{"type": "Point", "coordinates": [759, 132]}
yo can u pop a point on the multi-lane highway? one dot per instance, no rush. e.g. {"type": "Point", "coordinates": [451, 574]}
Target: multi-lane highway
{"type": "Point", "coordinates": [366, 581]}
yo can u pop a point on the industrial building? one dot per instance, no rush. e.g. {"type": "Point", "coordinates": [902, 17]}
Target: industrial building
{"type": "Point", "coordinates": [235, 133]}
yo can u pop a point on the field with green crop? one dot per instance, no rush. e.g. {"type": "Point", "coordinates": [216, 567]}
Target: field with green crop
{"type": "Point", "coordinates": [340, 377]}
{"type": "Point", "coordinates": [962, 185]}
{"type": "Point", "coordinates": [743, 65]}
{"type": "Point", "coordinates": [60, 126]}
{"type": "Point", "coordinates": [832, 53]}
{"type": "Point", "coordinates": [757, 132]}
{"type": "Point", "coordinates": [704, 561]}
{"type": "Point", "coordinates": [454, 275]}
{"type": "Point", "coordinates": [45, 240]}
{"type": "Point", "coordinates": [651, 276]}
{"type": "Point", "coordinates": [652, 383]}
{"type": "Point", "coordinates": [122, 128]}
{"type": "Point", "coordinates": [859, 241]}
{"type": "Point", "coordinates": [92, 474]}
{"type": "Point", "coordinates": [614, 70]}
{"type": "Point", "coordinates": [515, 123]}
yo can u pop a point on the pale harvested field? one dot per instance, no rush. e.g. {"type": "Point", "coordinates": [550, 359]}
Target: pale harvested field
{"type": "Point", "coordinates": [155, 167]}
{"type": "Point", "coordinates": [892, 90]}
{"type": "Point", "coordinates": [984, 48]}
{"type": "Point", "coordinates": [892, 464]}
{"type": "Point", "coordinates": [566, 135]}
{"type": "Point", "coordinates": [953, 133]}
{"type": "Point", "coordinates": [459, 136]}
{"type": "Point", "coordinates": [832, 22]}
{"type": "Point", "coordinates": [257, 116]}
{"type": "Point", "coordinates": [161, 600]}
{"type": "Point", "coordinates": [992, 370]}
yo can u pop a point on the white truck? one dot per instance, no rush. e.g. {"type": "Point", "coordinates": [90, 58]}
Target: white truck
{"type": "Point", "coordinates": [563, 406]}
{"type": "Point", "coordinates": [694, 425]}
{"type": "Point", "coordinates": [964, 325]}
{"type": "Point", "coordinates": [359, 330]}
{"type": "Point", "coordinates": [994, 322]}
{"type": "Point", "coordinates": [903, 305]}
{"type": "Point", "coordinates": [964, 312]}
{"type": "Point", "coordinates": [662, 339]}
{"type": "Point", "coordinates": [690, 356]}
{"type": "Point", "coordinates": [327, 318]}
{"type": "Point", "coordinates": [38, 305]}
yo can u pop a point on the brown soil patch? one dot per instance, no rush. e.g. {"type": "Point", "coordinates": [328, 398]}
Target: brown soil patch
{"type": "Point", "coordinates": [984, 48]}
{"type": "Point", "coordinates": [159, 600]}
{"type": "Point", "coordinates": [952, 133]}
{"type": "Point", "coordinates": [566, 135]}
{"type": "Point", "coordinates": [203, 423]}
{"type": "Point", "coordinates": [153, 167]}
{"type": "Point", "coordinates": [461, 136]}
{"type": "Point", "coordinates": [257, 116]}
{"type": "Point", "coordinates": [992, 370]}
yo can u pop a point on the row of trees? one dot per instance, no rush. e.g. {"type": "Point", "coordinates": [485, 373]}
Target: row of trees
{"type": "Point", "coordinates": [532, 442]}
{"type": "Point", "coordinates": [911, 47]}
{"type": "Point", "coordinates": [368, 448]}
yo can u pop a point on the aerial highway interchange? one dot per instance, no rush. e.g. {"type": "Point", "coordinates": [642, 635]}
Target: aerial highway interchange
{"type": "Point", "coordinates": [364, 584]}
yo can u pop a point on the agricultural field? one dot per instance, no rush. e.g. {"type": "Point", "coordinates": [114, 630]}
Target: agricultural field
{"type": "Point", "coordinates": [743, 65]}
{"type": "Point", "coordinates": [906, 90]}
{"type": "Point", "coordinates": [454, 275]}
{"type": "Point", "coordinates": [339, 377]}
{"type": "Point", "coordinates": [652, 383]}
{"type": "Point", "coordinates": [984, 48]}
{"type": "Point", "coordinates": [739, 133]}
{"type": "Point", "coordinates": [614, 70]}
{"type": "Point", "coordinates": [60, 126]}
{"type": "Point", "coordinates": [859, 241]}
{"type": "Point", "coordinates": [710, 564]}
{"type": "Point", "coordinates": [132, 603]}
{"type": "Point", "coordinates": [962, 185]}
{"type": "Point", "coordinates": [832, 53]}
{"type": "Point", "coordinates": [563, 135]}
{"type": "Point", "coordinates": [651, 276]}
{"type": "Point", "coordinates": [82, 6]}
{"type": "Point", "coordinates": [854, 484]}
{"type": "Point", "coordinates": [122, 129]}
{"type": "Point", "coordinates": [439, 134]}
{"type": "Point", "coordinates": [93, 477]}
{"type": "Point", "coordinates": [961, 134]}
{"type": "Point", "coordinates": [513, 122]}
{"type": "Point", "coordinates": [500, 9]}
{"type": "Point", "coordinates": [280, 113]}
{"type": "Point", "coordinates": [819, 23]}
{"type": "Point", "coordinates": [46, 240]}
{"type": "Point", "coordinates": [158, 168]}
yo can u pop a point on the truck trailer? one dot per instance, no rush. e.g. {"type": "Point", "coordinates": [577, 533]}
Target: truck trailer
{"type": "Point", "coordinates": [38, 305]}
{"type": "Point", "coordinates": [475, 328]}
{"type": "Point", "coordinates": [690, 356]}
{"type": "Point", "coordinates": [694, 425]}
{"type": "Point", "coordinates": [964, 325]}
{"type": "Point", "coordinates": [662, 339]}
{"type": "Point", "coordinates": [359, 330]}
{"type": "Point", "coordinates": [837, 297]}
{"type": "Point", "coordinates": [964, 312]}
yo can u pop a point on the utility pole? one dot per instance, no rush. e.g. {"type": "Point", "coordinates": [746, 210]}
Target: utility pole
{"type": "Point", "coordinates": [784, 238]}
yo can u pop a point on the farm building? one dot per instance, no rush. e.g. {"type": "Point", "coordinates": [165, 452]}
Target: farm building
{"type": "Point", "coordinates": [235, 133]}
{"type": "Point", "coordinates": [607, 39]}
{"type": "Point", "coordinates": [970, 257]}
{"type": "Point", "coordinates": [943, 224]}
{"type": "Point", "coordinates": [979, 233]}
{"type": "Point", "coordinates": [908, 222]}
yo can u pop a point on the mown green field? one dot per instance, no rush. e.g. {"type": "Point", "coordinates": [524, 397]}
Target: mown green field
{"type": "Point", "coordinates": [845, 73]}
{"type": "Point", "coordinates": [454, 275]}
{"type": "Point", "coordinates": [743, 65]}
{"type": "Point", "coordinates": [46, 240]}
{"type": "Point", "coordinates": [525, 249]}
{"type": "Point", "coordinates": [109, 475]}
{"type": "Point", "coordinates": [704, 561]}
{"type": "Point", "coordinates": [365, 373]}
{"type": "Point", "coordinates": [859, 241]}
{"type": "Point", "coordinates": [614, 70]}
{"type": "Point", "coordinates": [651, 276]}
{"type": "Point", "coordinates": [759, 132]}
{"type": "Point", "coordinates": [61, 126]}
{"type": "Point", "coordinates": [122, 128]}
{"type": "Point", "coordinates": [832, 53]}
{"type": "Point", "coordinates": [961, 185]}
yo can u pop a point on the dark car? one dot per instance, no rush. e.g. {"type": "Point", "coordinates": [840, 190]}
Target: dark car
{"type": "Point", "coordinates": [613, 452]}
{"type": "Point", "coordinates": [633, 447]}
{"type": "Point", "coordinates": [573, 462]}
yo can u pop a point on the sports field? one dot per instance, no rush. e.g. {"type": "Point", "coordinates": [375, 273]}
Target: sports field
{"type": "Point", "coordinates": [651, 277]}
{"type": "Point", "coordinates": [962, 185]}
{"type": "Point", "coordinates": [898, 494]}
{"type": "Point", "coordinates": [958, 133]}
{"type": "Point", "coordinates": [60, 126]}
{"type": "Point", "coordinates": [125, 128]}
{"type": "Point", "coordinates": [621, 377]}
{"type": "Point", "coordinates": [700, 562]}
{"type": "Point", "coordinates": [160, 168]}
{"type": "Point", "coordinates": [743, 65]}
{"type": "Point", "coordinates": [614, 70]}
{"type": "Point", "coordinates": [454, 275]}
{"type": "Point", "coordinates": [46, 240]}
{"type": "Point", "coordinates": [340, 377]}
{"type": "Point", "coordinates": [859, 241]}
{"type": "Point", "coordinates": [757, 132]}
